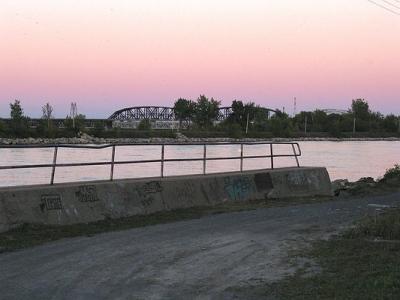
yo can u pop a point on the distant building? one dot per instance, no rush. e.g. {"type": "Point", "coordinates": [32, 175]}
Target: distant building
{"type": "Point", "coordinates": [329, 111]}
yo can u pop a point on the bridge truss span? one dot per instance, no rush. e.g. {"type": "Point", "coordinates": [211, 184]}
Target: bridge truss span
{"type": "Point", "coordinates": [144, 112]}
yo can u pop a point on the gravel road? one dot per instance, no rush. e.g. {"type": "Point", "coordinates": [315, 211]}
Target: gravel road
{"type": "Point", "coordinates": [206, 258]}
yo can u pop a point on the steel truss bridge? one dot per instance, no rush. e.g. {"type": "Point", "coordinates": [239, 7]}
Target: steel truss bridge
{"type": "Point", "coordinates": [163, 113]}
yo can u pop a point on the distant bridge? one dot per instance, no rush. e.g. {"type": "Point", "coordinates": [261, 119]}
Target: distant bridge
{"type": "Point", "coordinates": [330, 111]}
{"type": "Point", "coordinates": [163, 113]}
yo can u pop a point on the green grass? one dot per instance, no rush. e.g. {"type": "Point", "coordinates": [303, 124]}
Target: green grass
{"type": "Point", "coordinates": [29, 235]}
{"type": "Point", "coordinates": [362, 263]}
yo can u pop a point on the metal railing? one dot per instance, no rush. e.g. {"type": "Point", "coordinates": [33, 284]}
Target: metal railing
{"type": "Point", "coordinates": [112, 163]}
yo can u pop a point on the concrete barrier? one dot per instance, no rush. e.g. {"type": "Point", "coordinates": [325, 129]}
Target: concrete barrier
{"type": "Point", "coordinates": [92, 201]}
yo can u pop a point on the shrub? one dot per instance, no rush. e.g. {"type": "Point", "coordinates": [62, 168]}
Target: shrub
{"type": "Point", "coordinates": [144, 125]}
{"type": "Point", "coordinates": [392, 173]}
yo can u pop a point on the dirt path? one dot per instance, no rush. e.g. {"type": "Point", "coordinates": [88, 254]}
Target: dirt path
{"type": "Point", "coordinates": [205, 258]}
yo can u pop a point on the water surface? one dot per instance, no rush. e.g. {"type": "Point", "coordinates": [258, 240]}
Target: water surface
{"type": "Point", "coordinates": [351, 160]}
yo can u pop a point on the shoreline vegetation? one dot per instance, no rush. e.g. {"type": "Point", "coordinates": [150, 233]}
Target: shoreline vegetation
{"type": "Point", "coordinates": [203, 119]}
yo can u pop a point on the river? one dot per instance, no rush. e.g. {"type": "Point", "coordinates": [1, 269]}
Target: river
{"type": "Point", "coordinates": [348, 159]}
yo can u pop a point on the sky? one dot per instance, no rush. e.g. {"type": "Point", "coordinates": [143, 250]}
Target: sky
{"type": "Point", "coordinates": [109, 54]}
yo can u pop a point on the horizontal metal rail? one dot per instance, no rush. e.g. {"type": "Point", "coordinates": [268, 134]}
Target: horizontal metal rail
{"type": "Point", "coordinates": [54, 165]}
{"type": "Point", "coordinates": [103, 146]}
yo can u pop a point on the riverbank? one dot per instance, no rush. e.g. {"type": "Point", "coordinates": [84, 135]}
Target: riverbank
{"type": "Point", "coordinates": [87, 139]}
{"type": "Point", "coordinates": [30, 235]}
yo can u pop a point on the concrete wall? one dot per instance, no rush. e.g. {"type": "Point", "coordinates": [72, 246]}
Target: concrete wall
{"type": "Point", "coordinates": [87, 202]}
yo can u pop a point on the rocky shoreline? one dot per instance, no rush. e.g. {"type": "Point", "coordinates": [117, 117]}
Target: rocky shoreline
{"type": "Point", "coordinates": [87, 139]}
{"type": "Point", "coordinates": [365, 186]}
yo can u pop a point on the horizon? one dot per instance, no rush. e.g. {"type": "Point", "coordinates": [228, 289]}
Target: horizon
{"type": "Point", "coordinates": [142, 53]}
{"type": "Point", "coordinates": [172, 106]}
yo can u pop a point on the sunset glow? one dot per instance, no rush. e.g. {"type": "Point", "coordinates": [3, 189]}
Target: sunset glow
{"type": "Point", "coordinates": [106, 54]}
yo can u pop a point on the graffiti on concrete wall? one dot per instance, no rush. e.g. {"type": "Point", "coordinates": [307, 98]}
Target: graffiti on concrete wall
{"type": "Point", "coordinates": [87, 193]}
{"type": "Point", "coordinates": [152, 187]}
{"type": "Point", "coordinates": [51, 202]}
{"type": "Point", "coordinates": [147, 191]}
{"type": "Point", "coordinates": [299, 180]}
{"type": "Point", "coordinates": [296, 178]}
{"type": "Point", "coordinates": [238, 188]}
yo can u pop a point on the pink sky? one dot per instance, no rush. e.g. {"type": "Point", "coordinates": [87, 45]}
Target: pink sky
{"type": "Point", "coordinates": [109, 54]}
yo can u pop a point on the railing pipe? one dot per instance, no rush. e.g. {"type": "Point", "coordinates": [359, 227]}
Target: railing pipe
{"type": "Point", "coordinates": [204, 159]}
{"type": "Point", "coordinates": [162, 160]}
{"type": "Point", "coordinates": [241, 157]}
{"type": "Point", "coordinates": [112, 163]}
{"type": "Point", "coordinates": [295, 156]}
{"type": "Point", "coordinates": [53, 169]}
{"type": "Point", "coordinates": [295, 147]}
{"type": "Point", "coordinates": [272, 155]}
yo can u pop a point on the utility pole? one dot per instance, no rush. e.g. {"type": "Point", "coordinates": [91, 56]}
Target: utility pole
{"type": "Point", "coordinates": [294, 107]}
{"type": "Point", "coordinates": [354, 126]}
{"type": "Point", "coordinates": [247, 123]}
{"type": "Point", "coordinates": [73, 113]}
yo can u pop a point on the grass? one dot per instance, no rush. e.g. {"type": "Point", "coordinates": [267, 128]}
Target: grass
{"type": "Point", "coordinates": [362, 263]}
{"type": "Point", "coordinates": [29, 235]}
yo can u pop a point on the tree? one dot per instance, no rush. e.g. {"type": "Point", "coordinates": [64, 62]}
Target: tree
{"type": "Point", "coordinates": [47, 114]}
{"type": "Point", "coordinates": [79, 123]}
{"type": "Point", "coordinates": [2, 128]}
{"type": "Point", "coordinates": [360, 109]}
{"type": "Point", "coordinates": [16, 112]}
{"type": "Point", "coordinates": [304, 121]}
{"type": "Point", "coordinates": [320, 121]}
{"type": "Point", "coordinates": [243, 113]}
{"type": "Point", "coordinates": [281, 125]}
{"type": "Point", "coordinates": [237, 112]}
{"type": "Point", "coordinates": [261, 119]}
{"type": "Point", "coordinates": [184, 110]}
{"type": "Point", "coordinates": [206, 111]}
{"type": "Point", "coordinates": [391, 123]}
{"type": "Point", "coordinates": [19, 122]}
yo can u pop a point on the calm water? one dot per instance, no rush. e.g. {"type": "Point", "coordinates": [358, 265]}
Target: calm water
{"type": "Point", "coordinates": [351, 160]}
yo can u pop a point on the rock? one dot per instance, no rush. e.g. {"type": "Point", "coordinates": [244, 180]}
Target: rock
{"type": "Point", "coordinates": [340, 185]}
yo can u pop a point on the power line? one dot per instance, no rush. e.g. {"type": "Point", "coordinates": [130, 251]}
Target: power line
{"type": "Point", "coordinates": [390, 3]}
{"type": "Point", "coordinates": [384, 7]}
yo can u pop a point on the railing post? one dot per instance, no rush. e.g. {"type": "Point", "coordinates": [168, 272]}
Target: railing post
{"type": "Point", "coordinates": [162, 160]}
{"type": "Point", "coordinates": [204, 158]}
{"type": "Point", "coordinates": [295, 156]}
{"type": "Point", "coordinates": [53, 170]}
{"type": "Point", "coordinates": [112, 163]}
{"type": "Point", "coordinates": [241, 157]}
{"type": "Point", "coordinates": [272, 156]}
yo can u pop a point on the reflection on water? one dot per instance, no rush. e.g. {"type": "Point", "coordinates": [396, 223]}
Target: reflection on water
{"type": "Point", "coordinates": [351, 160]}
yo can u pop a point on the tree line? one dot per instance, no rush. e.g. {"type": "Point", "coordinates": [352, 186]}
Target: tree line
{"type": "Point", "coordinates": [19, 124]}
{"type": "Point", "coordinates": [250, 118]}
{"type": "Point", "coordinates": [200, 117]}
